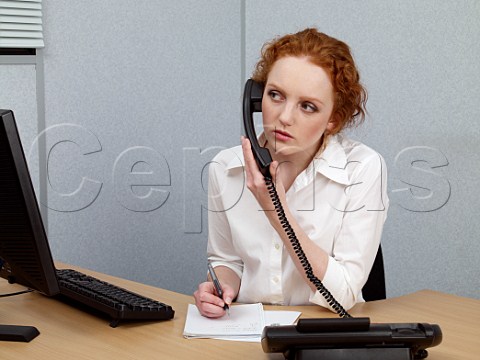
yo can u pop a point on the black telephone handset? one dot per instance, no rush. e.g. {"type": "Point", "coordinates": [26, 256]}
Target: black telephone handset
{"type": "Point", "coordinates": [252, 102]}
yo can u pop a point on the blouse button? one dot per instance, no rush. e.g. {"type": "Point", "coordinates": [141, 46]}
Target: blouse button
{"type": "Point", "coordinates": [277, 246]}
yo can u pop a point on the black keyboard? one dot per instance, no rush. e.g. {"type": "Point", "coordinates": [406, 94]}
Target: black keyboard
{"type": "Point", "coordinates": [118, 303]}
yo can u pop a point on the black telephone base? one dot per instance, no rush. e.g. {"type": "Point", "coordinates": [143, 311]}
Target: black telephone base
{"type": "Point", "coordinates": [352, 354]}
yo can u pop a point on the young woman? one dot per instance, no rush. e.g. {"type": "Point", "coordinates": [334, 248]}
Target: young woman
{"type": "Point", "coordinates": [333, 189]}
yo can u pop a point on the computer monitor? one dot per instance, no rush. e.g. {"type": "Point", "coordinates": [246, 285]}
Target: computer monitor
{"type": "Point", "coordinates": [25, 256]}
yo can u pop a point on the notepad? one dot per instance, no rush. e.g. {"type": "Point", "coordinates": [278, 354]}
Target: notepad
{"type": "Point", "coordinates": [244, 320]}
{"type": "Point", "coordinates": [245, 323]}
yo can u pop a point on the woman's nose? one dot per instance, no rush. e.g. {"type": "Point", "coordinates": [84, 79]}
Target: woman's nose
{"type": "Point", "coordinates": [286, 116]}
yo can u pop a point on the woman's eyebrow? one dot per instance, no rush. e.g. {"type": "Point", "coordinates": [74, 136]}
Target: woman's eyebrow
{"type": "Point", "coordinates": [306, 97]}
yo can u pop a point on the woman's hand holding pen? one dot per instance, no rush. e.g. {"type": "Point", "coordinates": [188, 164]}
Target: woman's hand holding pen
{"type": "Point", "coordinates": [206, 297]}
{"type": "Point", "coordinates": [207, 301]}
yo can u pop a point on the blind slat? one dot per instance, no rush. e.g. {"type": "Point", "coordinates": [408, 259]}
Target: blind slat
{"type": "Point", "coordinates": [21, 27]}
{"type": "Point", "coordinates": [21, 43]}
{"type": "Point", "coordinates": [20, 34]}
{"type": "Point", "coordinates": [21, 24]}
{"type": "Point", "coordinates": [20, 4]}
{"type": "Point", "coordinates": [21, 12]}
{"type": "Point", "coordinates": [20, 19]}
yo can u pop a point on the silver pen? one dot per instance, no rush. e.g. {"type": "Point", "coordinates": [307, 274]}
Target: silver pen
{"type": "Point", "coordinates": [218, 288]}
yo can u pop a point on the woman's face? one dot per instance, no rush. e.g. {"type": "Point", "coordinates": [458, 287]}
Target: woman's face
{"type": "Point", "coordinates": [297, 107]}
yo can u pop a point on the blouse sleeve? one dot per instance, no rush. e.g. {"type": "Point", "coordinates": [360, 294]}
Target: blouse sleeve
{"type": "Point", "coordinates": [220, 249]}
{"type": "Point", "coordinates": [356, 243]}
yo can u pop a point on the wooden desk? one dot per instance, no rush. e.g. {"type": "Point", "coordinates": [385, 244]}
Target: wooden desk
{"type": "Point", "coordinates": [68, 333]}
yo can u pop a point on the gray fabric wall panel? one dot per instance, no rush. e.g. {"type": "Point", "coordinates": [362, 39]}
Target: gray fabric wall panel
{"type": "Point", "coordinates": [18, 93]}
{"type": "Point", "coordinates": [152, 89]}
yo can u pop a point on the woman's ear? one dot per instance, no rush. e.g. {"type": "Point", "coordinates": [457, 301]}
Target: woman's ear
{"type": "Point", "coordinates": [333, 125]}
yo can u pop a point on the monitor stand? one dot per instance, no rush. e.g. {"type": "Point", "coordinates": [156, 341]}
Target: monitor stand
{"type": "Point", "coordinates": [18, 333]}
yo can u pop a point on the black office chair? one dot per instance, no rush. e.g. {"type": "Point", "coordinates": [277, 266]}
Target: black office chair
{"type": "Point", "coordinates": [374, 288]}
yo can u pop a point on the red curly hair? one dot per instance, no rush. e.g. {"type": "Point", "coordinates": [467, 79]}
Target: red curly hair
{"type": "Point", "coordinates": [334, 57]}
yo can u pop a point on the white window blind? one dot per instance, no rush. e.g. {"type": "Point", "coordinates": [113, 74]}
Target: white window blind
{"type": "Point", "coordinates": [21, 24]}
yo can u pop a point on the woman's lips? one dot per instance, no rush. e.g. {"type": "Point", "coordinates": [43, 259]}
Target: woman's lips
{"type": "Point", "coordinates": [282, 135]}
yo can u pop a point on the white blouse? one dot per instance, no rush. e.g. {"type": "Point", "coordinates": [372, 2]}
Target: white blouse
{"type": "Point", "coordinates": [341, 203]}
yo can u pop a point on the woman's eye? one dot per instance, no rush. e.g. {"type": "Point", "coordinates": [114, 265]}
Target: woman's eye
{"type": "Point", "coordinates": [274, 95]}
{"type": "Point", "coordinates": [309, 107]}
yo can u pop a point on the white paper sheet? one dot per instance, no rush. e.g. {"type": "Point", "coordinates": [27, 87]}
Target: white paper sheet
{"type": "Point", "coordinates": [245, 323]}
{"type": "Point", "coordinates": [244, 320]}
{"type": "Point", "coordinates": [272, 318]}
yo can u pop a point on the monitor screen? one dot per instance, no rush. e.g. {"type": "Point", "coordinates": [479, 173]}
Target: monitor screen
{"type": "Point", "coordinates": [25, 256]}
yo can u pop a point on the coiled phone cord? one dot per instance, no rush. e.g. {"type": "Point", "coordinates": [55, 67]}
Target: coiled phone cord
{"type": "Point", "coordinates": [300, 253]}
